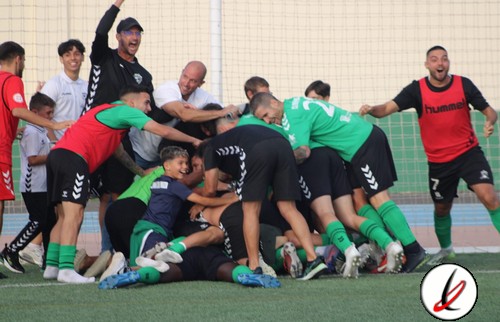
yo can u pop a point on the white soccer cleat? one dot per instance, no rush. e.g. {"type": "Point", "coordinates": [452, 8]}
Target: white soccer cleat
{"type": "Point", "coordinates": [168, 256]}
{"type": "Point", "coordinates": [266, 269]}
{"type": "Point", "coordinates": [158, 248]}
{"type": "Point", "coordinates": [395, 254]}
{"type": "Point", "coordinates": [160, 266]}
{"type": "Point", "coordinates": [291, 261]}
{"type": "Point", "coordinates": [117, 266]}
{"type": "Point", "coordinates": [352, 261]}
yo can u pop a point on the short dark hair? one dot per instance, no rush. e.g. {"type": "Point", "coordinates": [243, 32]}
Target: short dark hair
{"type": "Point", "coordinates": [135, 89]}
{"type": "Point", "coordinates": [68, 46]}
{"type": "Point", "coordinates": [211, 126]}
{"type": "Point", "coordinates": [40, 100]}
{"type": "Point", "coordinates": [171, 152]}
{"type": "Point", "coordinates": [437, 47]}
{"type": "Point", "coordinates": [200, 151]}
{"type": "Point", "coordinates": [10, 50]}
{"type": "Point", "coordinates": [260, 99]}
{"type": "Point", "coordinates": [252, 83]}
{"type": "Point", "coordinates": [321, 88]}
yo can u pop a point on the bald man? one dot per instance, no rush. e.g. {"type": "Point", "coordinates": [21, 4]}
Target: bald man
{"type": "Point", "coordinates": [182, 99]}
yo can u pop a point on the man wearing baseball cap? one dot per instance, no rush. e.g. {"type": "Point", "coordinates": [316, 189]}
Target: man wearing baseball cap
{"type": "Point", "coordinates": [111, 70]}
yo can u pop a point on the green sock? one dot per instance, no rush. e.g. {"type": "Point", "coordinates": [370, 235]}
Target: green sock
{"type": "Point", "coordinates": [149, 275]}
{"type": "Point", "coordinates": [374, 232]}
{"type": "Point", "coordinates": [67, 257]}
{"type": "Point", "coordinates": [369, 212]}
{"type": "Point", "coordinates": [301, 253]}
{"type": "Point", "coordinates": [495, 218]}
{"type": "Point", "coordinates": [240, 269]}
{"type": "Point", "coordinates": [278, 263]}
{"type": "Point", "coordinates": [394, 218]}
{"type": "Point", "coordinates": [178, 239]}
{"type": "Point", "coordinates": [442, 227]}
{"type": "Point", "coordinates": [177, 247]}
{"type": "Point", "coordinates": [325, 240]}
{"type": "Point", "coordinates": [338, 236]}
{"type": "Point", "coordinates": [53, 254]}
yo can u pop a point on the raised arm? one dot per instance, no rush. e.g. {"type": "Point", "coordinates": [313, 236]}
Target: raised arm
{"type": "Point", "coordinates": [379, 111]}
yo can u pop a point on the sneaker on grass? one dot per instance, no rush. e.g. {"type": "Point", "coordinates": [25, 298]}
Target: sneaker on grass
{"type": "Point", "coordinates": [394, 257]}
{"type": "Point", "coordinates": [11, 261]}
{"type": "Point", "coordinates": [314, 269]}
{"type": "Point", "coordinates": [352, 261]}
{"type": "Point", "coordinates": [32, 254]}
{"type": "Point", "coordinates": [415, 260]}
{"type": "Point", "coordinates": [443, 255]}
{"type": "Point", "coordinates": [121, 280]}
{"type": "Point", "coordinates": [118, 265]}
{"type": "Point", "coordinates": [260, 280]}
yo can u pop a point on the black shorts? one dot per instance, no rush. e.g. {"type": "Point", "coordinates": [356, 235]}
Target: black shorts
{"type": "Point", "coordinates": [186, 227]}
{"type": "Point", "coordinates": [373, 166]}
{"type": "Point", "coordinates": [323, 173]}
{"type": "Point", "coordinates": [202, 263]}
{"type": "Point", "coordinates": [67, 177]}
{"type": "Point", "coordinates": [112, 176]}
{"type": "Point", "coordinates": [270, 163]}
{"type": "Point", "coordinates": [471, 166]}
{"type": "Point", "coordinates": [231, 223]}
{"type": "Point", "coordinates": [120, 219]}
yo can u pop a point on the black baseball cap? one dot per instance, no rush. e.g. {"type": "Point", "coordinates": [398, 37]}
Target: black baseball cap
{"type": "Point", "coordinates": [127, 24]}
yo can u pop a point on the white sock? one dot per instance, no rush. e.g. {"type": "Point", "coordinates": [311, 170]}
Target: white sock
{"type": "Point", "coordinates": [72, 277]}
{"type": "Point", "coordinates": [51, 272]}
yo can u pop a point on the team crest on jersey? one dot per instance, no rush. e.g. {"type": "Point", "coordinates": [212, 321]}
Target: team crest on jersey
{"type": "Point", "coordinates": [138, 78]}
{"type": "Point", "coordinates": [18, 98]}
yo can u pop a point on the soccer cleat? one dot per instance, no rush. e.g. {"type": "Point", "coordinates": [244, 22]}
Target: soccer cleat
{"type": "Point", "coordinates": [364, 252]}
{"type": "Point", "coordinates": [415, 260]}
{"type": "Point", "coordinates": [160, 266]}
{"type": "Point", "coordinates": [11, 261]}
{"type": "Point", "coordinates": [442, 255]}
{"type": "Point", "coordinates": [32, 254]}
{"type": "Point", "coordinates": [99, 266]}
{"type": "Point", "coordinates": [291, 261]}
{"type": "Point", "coordinates": [376, 253]}
{"type": "Point", "coordinates": [314, 269]}
{"type": "Point", "coordinates": [352, 261]}
{"type": "Point", "coordinates": [265, 281]}
{"type": "Point", "coordinates": [121, 280]}
{"type": "Point", "coordinates": [118, 265]}
{"type": "Point", "coordinates": [258, 270]}
{"type": "Point", "coordinates": [80, 256]}
{"type": "Point", "coordinates": [168, 256]}
{"type": "Point", "coordinates": [394, 256]}
{"type": "Point", "coordinates": [331, 256]}
{"type": "Point", "coordinates": [158, 248]}
{"type": "Point", "coordinates": [266, 269]}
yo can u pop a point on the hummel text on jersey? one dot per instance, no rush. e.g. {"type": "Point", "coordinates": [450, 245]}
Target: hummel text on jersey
{"type": "Point", "coordinates": [446, 108]}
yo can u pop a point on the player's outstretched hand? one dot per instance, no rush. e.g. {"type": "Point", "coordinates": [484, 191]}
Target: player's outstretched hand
{"type": "Point", "coordinates": [364, 109]}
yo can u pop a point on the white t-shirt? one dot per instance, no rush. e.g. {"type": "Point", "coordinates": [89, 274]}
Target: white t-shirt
{"type": "Point", "coordinates": [146, 144]}
{"type": "Point", "coordinates": [34, 142]}
{"type": "Point", "coordinates": [69, 96]}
